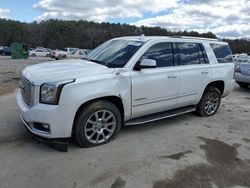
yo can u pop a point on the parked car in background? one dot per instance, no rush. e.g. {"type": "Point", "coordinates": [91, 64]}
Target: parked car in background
{"type": "Point", "coordinates": [78, 54]}
{"type": "Point", "coordinates": [242, 73]}
{"type": "Point", "coordinates": [241, 58]}
{"type": "Point", "coordinates": [51, 53]}
{"type": "Point", "coordinates": [6, 51]}
{"type": "Point", "coordinates": [58, 54]}
{"type": "Point", "coordinates": [31, 49]}
{"type": "Point", "coordinates": [39, 52]}
{"type": "Point", "coordinates": [2, 47]}
{"type": "Point", "coordinates": [127, 80]}
{"type": "Point", "coordinates": [61, 54]}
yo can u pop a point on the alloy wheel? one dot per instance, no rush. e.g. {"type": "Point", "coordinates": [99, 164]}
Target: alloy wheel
{"type": "Point", "coordinates": [100, 126]}
{"type": "Point", "coordinates": [212, 103]}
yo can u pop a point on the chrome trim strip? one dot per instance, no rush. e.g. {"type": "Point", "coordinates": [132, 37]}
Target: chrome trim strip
{"type": "Point", "coordinates": [25, 123]}
{"type": "Point", "coordinates": [160, 118]}
{"type": "Point", "coordinates": [139, 99]}
{"type": "Point", "coordinates": [32, 90]}
{"type": "Point", "coordinates": [160, 100]}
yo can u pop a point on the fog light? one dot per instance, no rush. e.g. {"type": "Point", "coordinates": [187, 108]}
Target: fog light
{"type": "Point", "coordinates": [41, 127]}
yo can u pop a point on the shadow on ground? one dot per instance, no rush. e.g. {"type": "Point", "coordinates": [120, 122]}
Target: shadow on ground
{"type": "Point", "coordinates": [225, 169]}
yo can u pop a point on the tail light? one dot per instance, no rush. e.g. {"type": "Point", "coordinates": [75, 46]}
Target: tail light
{"type": "Point", "coordinates": [237, 69]}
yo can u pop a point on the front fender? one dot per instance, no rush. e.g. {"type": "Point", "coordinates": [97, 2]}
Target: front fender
{"type": "Point", "coordinates": [80, 92]}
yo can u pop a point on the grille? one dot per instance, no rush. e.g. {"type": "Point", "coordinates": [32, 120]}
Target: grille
{"type": "Point", "coordinates": [26, 91]}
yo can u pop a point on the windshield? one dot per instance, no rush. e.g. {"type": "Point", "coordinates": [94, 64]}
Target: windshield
{"type": "Point", "coordinates": [114, 53]}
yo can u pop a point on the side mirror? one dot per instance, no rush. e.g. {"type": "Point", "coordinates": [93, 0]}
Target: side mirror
{"type": "Point", "coordinates": [147, 63]}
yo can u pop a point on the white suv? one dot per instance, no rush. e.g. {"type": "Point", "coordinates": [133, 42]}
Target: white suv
{"type": "Point", "coordinates": [125, 81]}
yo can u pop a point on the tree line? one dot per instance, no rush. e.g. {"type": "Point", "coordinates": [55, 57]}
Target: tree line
{"type": "Point", "coordinates": [58, 34]}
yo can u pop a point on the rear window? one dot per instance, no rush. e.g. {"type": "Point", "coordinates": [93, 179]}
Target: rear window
{"type": "Point", "coordinates": [222, 53]}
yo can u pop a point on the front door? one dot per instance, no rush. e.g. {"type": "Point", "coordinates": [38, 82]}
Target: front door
{"type": "Point", "coordinates": [155, 89]}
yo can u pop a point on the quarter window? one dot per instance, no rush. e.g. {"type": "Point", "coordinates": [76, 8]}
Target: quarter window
{"type": "Point", "coordinates": [162, 53]}
{"type": "Point", "coordinates": [222, 53]}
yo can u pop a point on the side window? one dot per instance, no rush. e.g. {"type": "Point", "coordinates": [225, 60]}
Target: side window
{"type": "Point", "coordinates": [162, 53]}
{"type": "Point", "coordinates": [222, 53]}
{"type": "Point", "coordinates": [189, 53]}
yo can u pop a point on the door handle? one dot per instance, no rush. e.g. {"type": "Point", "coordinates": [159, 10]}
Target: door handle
{"type": "Point", "coordinates": [172, 76]}
{"type": "Point", "coordinates": [205, 72]}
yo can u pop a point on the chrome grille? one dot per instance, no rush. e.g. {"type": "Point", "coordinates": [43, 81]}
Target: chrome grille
{"type": "Point", "coordinates": [26, 91]}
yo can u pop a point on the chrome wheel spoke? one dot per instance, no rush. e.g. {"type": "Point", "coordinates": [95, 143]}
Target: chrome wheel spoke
{"type": "Point", "coordinates": [106, 119]}
{"type": "Point", "coordinates": [103, 114]}
{"type": "Point", "coordinates": [107, 129]}
{"type": "Point", "coordinates": [108, 124]}
{"type": "Point", "coordinates": [91, 122]}
{"type": "Point", "coordinates": [91, 135]}
{"type": "Point", "coordinates": [97, 138]}
{"type": "Point", "coordinates": [100, 126]}
{"type": "Point", "coordinates": [96, 116]}
{"type": "Point", "coordinates": [90, 129]}
{"type": "Point", "coordinates": [211, 103]}
{"type": "Point", "coordinates": [103, 135]}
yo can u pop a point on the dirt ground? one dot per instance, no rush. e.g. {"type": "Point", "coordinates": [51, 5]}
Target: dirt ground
{"type": "Point", "coordinates": [186, 151]}
{"type": "Point", "coordinates": [10, 70]}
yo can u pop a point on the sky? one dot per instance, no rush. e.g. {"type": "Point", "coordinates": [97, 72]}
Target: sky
{"type": "Point", "coordinates": [225, 18]}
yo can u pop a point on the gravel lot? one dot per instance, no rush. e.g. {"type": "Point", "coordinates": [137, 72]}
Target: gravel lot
{"type": "Point", "coordinates": [180, 152]}
{"type": "Point", "coordinates": [10, 70]}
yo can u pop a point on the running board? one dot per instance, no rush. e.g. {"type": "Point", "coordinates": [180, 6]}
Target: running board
{"type": "Point", "coordinates": [161, 115]}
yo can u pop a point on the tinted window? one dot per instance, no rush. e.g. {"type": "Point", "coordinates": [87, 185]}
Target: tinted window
{"type": "Point", "coordinates": [189, 53]}
{"type": "Point", "coordinates": [162, 53]}
{"type": "Point", "coordinates": [222, 53]}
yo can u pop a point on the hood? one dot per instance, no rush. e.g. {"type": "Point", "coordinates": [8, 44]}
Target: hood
{"type": "Point", "coordinates": [63, 70]}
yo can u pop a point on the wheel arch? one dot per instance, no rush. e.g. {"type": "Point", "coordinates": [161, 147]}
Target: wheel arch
{"type": "Point", "coordinates": [220, 84]}
{"type": "Point", "coordinates": [117, 101]}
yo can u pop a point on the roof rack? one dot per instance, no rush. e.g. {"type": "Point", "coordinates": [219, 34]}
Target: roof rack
{"type": "Point", "coordinates": [200, 38]}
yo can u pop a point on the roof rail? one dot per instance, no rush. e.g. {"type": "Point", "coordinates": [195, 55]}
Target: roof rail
{"type": "Point", "coordinates": [200, 38]}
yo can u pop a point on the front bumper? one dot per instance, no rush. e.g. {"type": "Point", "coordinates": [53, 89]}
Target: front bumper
{"type": "Point", "coordinates": [57, 144]}
{"type": "Point", "coordinates": [59, 118]}
{"type": "Point", "coordinates": [242, 78]}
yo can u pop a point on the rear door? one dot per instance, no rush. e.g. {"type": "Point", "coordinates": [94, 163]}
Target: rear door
{"type": "Point", "coordinates": [194, 72]}
{"type": "Point", "coordinates": [155, 89]}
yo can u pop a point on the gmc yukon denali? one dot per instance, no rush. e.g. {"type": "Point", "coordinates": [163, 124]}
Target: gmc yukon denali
{"type": "Point", "coordinates": [125, 81]}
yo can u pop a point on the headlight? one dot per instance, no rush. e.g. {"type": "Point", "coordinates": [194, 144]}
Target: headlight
{"type": "Point", "coordinates": [50, 92]}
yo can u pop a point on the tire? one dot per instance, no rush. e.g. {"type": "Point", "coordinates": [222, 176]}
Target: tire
{"type": "Point", "coordinates": [60, 57]}
{"type": "Point", "coordinates": [33, 55]}
{"type": "Point", "coordinates": [243, 85]}
{"type": "Point", "coordinates": [93, 128]}
{"type": "Point", "coordinates": [210, 102]}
